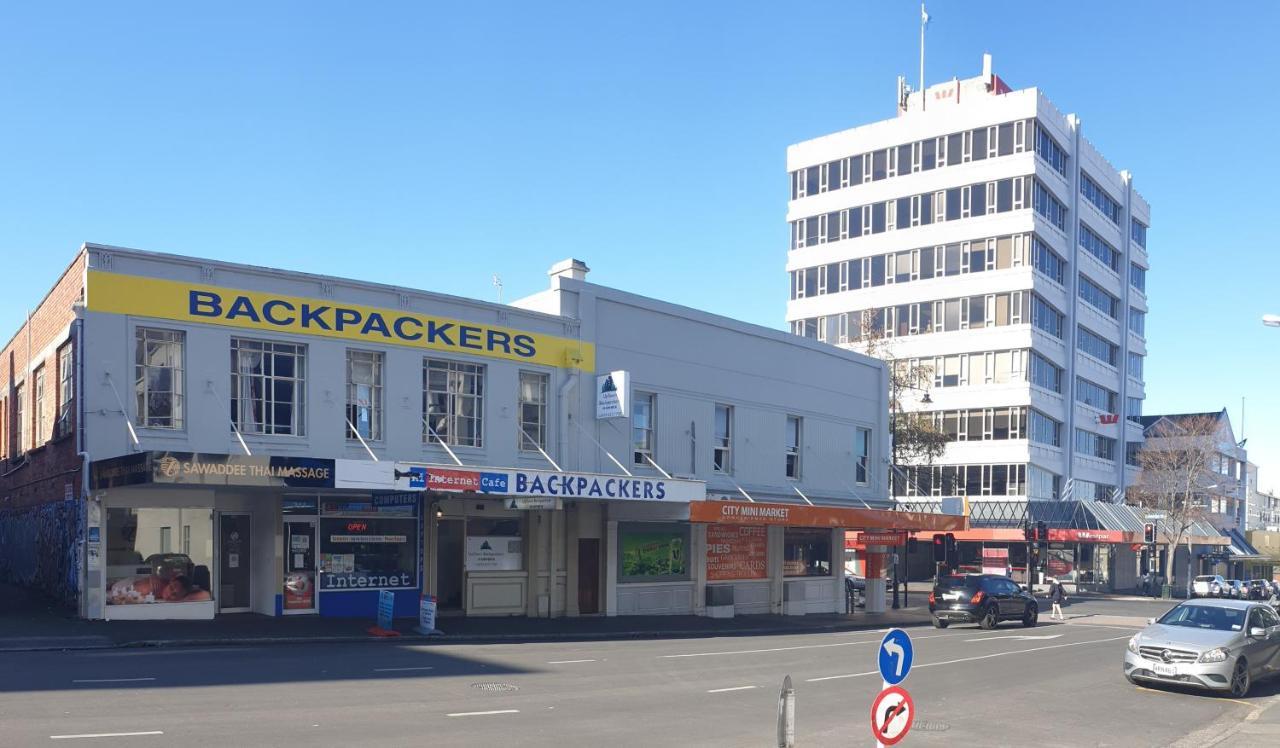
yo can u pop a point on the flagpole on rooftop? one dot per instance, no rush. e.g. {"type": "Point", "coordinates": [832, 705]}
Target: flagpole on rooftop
{"type": "Point", "coordinates": [924, 21]}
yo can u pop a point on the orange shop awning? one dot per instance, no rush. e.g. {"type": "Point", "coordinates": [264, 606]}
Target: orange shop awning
{"type": "Point", "coordinates": [797, 515]}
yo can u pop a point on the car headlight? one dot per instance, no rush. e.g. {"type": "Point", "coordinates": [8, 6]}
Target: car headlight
{"type": "Point", "coordinates": [1215, 655]}
{"type": "Point", "coordinates": [1133, 643]}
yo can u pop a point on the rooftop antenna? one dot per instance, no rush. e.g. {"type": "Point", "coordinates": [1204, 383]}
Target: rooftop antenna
{"type": "Point", "coordinates": [924, 21]}
{"type": "Point", "coordinates": [497, 283]}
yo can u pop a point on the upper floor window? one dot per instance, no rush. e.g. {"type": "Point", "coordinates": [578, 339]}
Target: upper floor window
{"type": "Point", "coordinates": [1099, 247]}
{"type": "Point", "coordinates": [862, 447]}
{"type": "Point", "coordinates": [268, 387]}
{"type": "Point", "coordinates": [38, 407]}
{"type": "Point", "coordinates": [364, 395]}
{"type": "Point", "coordinates": [642, 436]}
{"type": "Point", "coordinates": [1097, 346]}
{"type": "Point", "coordinates": [19, 416]}
{"type": "Point", "coordinates": [1045, 317]}
{"type": "Point", "coordinates": [1095, 445]}
{"type": "Point", "coordinates": [1138, 277]}
{"type": "Point", "coordinates": [1099, 299]}
{"type": "Point", "coordinates": [66, 391]}
{"type": "Point", "coordinates": [1133, 412]}
{"type": "Point", "coordinates": [793, 446]}
{"type": "Point", "coordinates": [1049, 150]}
{"type": "Point", "coordinates": [1135, 365]}
{"type": "Point", "coordinates": [1049, 206]}
{"type": "Point", "coordinates": [1047, 261]}
{"type": "Point", "coordinates": [722, 455]}
{"type": "Point", "coordinates": [1137, 322]}
{"type": "Point", "coordinates": [1138, 231]}
{"type": "Point", "coordinates": [158, 377]}
{"type": "Point", "coordinates": [1100, 199]}
{"type": "Point", "coordinates": [533, 411]}
{"type": "Point", "coordinates": [1046, 374]}
{"type": "Point", "coordinates": [1045, 430]}
{"type": "Point", "coordinates": [1095, 395]}
{"type": "Point", "coordinates": [453, 402]}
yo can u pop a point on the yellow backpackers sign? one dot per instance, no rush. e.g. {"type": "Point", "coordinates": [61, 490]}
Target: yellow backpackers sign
{"type": "Point", "coordinates": [181, 301]}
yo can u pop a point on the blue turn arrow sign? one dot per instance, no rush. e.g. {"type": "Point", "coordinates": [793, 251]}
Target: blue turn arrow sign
{"type": "Point", "coordinates": [895, 656]}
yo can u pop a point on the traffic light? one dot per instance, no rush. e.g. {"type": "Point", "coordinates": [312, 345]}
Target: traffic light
{"type": "Point", "coordinates": [1149, 532]}
{"type": "Point", "coordinates": [912, 545]}
{"type": "Point", "coordinates": [1029, 533]}
{"type": "Point", "coordinates": [953, 557]}
{"type": "Point", "coordinates": [939, 548]}
{"type": "Point", "coordinates": [1042, 532]}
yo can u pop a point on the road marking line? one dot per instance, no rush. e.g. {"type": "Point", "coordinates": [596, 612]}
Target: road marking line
{"type": "Point", "coordinates": [735, 688]}
{"type": "Point", "coordinates": [971, 659]}
{"type": "Point", "coordinates": [1020, 637]}
{"type": "Point", "coordinates": [568, 662]}
{"type": "Point", "coordinates": [482, 714]}
{"type": "Point", "coordinates": [105, 735]}
{"type": "Point", "coordinates": [791, 649]}
{"type": "Point", "coordinates": [398, 669]}
{"type": "Point", "coordinates": [111, 680]}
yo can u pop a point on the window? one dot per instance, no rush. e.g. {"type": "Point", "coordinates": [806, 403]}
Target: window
{"type": "Point", "coordinates": [66, 392]}
{"type": "Point", "coordinates": [369, 544]}
{"type": "Point", "coordinates": [806, 553]}
{"type": "Point", "coordinates": [19, 415]}
{"type": "Point", "coordinates": [642, 434]}
{"type": "Point", "coordinates": [1137, 322]}
{"type": "Point", "coordinates": [37, 408]}
{"type": "Point", "coordinates": [533, 411]}
{"type": "Point", "coordinates": [1133, 409]}
{"type": "Point", "coordinates": [1046, 317]}
{"type": "Point", "coordinates": [1132, 454]}
{"type": "Point", "coordinates": [1045, 430]}
{"type": "Point", "coordinates": [653, 552]}
{"type": "Point", "coordinates": [1096, 297]}
{"type": "Point", "coordinates": [1049, 206]}
{"type": "Point", "coordinates": [1138, 277]}
{"type": "Point", "coordinates": [793, 447]}
{"type": "Point", "coordinates": [1095, 445]}
{"type": "Point", "coordinates": [1041, 484]}
{"type": "Point", "coordinates": [158, 377]}
{"type": "Point", "coordinates": [141, 565]}
{"type": "Point", "coordinates": [1099, 247]}
{"type": "Point", "coordinates": [453, 402]}
{"type": "Point", "coordinates": [1097, 346]}
{"type": "Point", "coordinates": [1100, 199]}
{"type": "Point", "coordinates": [1048, 149]}
{"type": "Point", "coordinates": [1047, 261]}
{"type": "Point", "coordinates": [1095, 395]}
{"type": "Point", "coordinates": [1135, 365]}
{"type": "Point", "coordinates": [1138, 232]}
{"type": "Point", "coordinates": [1044, 373]}
{"type": "Point", "coordinates": [364, 395]}
{"type": "Point", "coordinates": [721, 459]}
{"type": "Point", "coordinates": [862, 443]}
{"type": "Point", "coordinates": [268, 386]}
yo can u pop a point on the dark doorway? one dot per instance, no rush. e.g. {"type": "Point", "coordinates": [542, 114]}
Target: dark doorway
{"type": "Point", "coordinates": [449, 549]}
{"type": "Point", "coordinates": [234, 574]}
{"type": "Point", "coordinates": [588, 575]}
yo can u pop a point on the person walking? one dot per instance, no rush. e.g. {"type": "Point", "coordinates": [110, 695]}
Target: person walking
{"type": "Point", "coordinates": [1057, 595]}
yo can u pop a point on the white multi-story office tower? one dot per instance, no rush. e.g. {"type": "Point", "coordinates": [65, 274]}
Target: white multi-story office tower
{"type": "Point", "coordinates": [980, 233]}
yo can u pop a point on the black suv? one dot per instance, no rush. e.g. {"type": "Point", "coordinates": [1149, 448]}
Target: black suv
{"type": "Point", "coordinates": [984, 599]}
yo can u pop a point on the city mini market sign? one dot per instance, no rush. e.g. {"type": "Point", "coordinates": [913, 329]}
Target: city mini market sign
{"type": "Point", "coordinates": [114, 293]}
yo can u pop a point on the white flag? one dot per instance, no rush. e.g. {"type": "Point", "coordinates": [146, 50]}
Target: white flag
{"type": "Point", "coordinates": [924, 15]}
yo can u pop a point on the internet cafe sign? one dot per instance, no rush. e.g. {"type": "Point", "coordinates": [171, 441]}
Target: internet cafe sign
{"type": "Point", "coordinates": [613, 398]}
{"type": "Point", "coordinates": [212, 470]}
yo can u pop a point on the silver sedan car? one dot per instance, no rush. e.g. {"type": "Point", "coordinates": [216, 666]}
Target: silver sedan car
{"type": "Point", "coordinates": [1223, 645]}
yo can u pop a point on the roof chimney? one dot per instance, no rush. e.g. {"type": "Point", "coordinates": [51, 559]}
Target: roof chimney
{"type": "Point", "coordinates": [570, 268]}
{"type": "Point", "coordinates": [986, 67]}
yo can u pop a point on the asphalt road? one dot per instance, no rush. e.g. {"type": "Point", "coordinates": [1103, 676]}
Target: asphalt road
{"type": "Point", "coordinates": [1052, 685]}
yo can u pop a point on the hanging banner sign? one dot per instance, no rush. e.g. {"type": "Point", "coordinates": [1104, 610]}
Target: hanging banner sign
{"type": "Point", "coordinates": [613, 395]}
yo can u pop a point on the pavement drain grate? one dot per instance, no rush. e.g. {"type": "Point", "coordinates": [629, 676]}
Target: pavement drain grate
{"type": "Point", "coordinates": [495, 686]}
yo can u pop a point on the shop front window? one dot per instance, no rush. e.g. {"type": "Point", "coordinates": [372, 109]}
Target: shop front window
{"type": "Point", "coordinates": [806, 553]}
{"type": "Point", "coordinates": [653, 552]}
{"type": "Point", "coordinates": [494, 544]}
{"type": "Point", "coordinates": [141, 564]}
{"type": "Point", "coordinates": [369, 544]}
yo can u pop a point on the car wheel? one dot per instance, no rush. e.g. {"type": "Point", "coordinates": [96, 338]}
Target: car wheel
{"type": "Point", "coordinates": [1240, 681]}
{"type": "Point", "coordinates": [938, 623]}
{"type": "Point", "coordinates": [990, 618]}
{"type": "Point", "coordinates": [1031, 616]}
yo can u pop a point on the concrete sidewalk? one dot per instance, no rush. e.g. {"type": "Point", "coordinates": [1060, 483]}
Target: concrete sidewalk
{"type": "Point", "coordinates": [28, 624]}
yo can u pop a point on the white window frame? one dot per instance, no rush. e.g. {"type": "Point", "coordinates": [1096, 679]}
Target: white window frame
{"type": "Point", "coordinates": [244, 399]}
{"type": "Point", "coordinates": [823, 235]}
{"type": "Point", "coordinates": [915, 210]}
{"type": "Point", "coordinates": [648, 445]}
{"type": "Point", "coordinates": [966, 146]}
{"type": "Point", "coordinates": [37, 405]}
{"type": "Point", "coordinates": [940, 156]}
{"type": "Point", "coordinates": [66, 390]}
{"type": "Point", "coordinates": [991, 198]}
{"type": "Point", "coordinates": [862, 464]}
{"type": "Point", "coordinates": [844, 275]}
{"type": "Point", "coordinates": [891, 215]}
{"type": "Point", "coordinates": [456, 374]}
{"type": "Point", "coordinates": [939, 206]}
{"type": "Point", "coordinates": [917, 156]}
{"type": "Point", "coordinates": [1019, 135]}
{"type": "Point", "coordinates": [824, 177]}
{"type": "Point", "coordinates": [377, 363]}
{"type": "Point", "coordinates": [846, 164]}
{"type": "Point", "coordinates": [966, 201]}
{"type": "Point", "coordinates": [891, 162]}
{"type": "Point", "coordinates": [993, 141]}
{"type": "Point", "coordinates": [722, 445]}
{"type": "Point", "coordinates": [866, 220]}
{"type": "Point", "coordinates": [533, 434]}
{"type": "Point", "coordinates": [844, 224]}
{"type": "Point", "coordinates": [793, 449]}
{"type": "Point", "coordinates": [868, 167]}
{"type": "Point", "coordinates": [177, 377]}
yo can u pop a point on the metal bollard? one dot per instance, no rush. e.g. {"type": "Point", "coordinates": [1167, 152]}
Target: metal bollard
{"type": "Point", "coordinates": [787, 715]}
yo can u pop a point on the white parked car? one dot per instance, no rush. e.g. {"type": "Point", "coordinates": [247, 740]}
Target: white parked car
{"type": "Point", "coordinates": [1208, 585]}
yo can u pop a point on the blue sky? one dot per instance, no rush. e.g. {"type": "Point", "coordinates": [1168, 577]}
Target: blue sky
{"type": "Point", "coordinates": [435, 145]}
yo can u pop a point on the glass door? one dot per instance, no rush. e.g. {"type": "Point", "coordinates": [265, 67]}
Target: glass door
{"type": "Point", "coordinates": [299, 565]}
{"type": "Point", "coordinates": [234, 574]}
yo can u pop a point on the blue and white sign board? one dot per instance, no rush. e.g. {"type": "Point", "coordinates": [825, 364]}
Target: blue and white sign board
{"type": "Point", "coordinates": [895, 656]}
{"type": "Point", "coordinates": [386, 606]}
